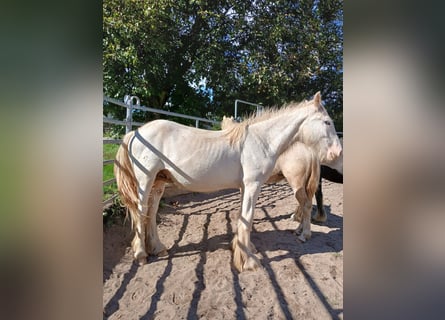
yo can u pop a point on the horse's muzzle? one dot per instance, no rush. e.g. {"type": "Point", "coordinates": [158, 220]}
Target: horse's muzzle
{"type": "Point", "coordinates": [334, 151]}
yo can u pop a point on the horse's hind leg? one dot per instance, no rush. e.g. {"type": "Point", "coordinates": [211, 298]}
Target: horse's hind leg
{"type": "Point", "coordinates": [295, 180]}
{"type": "Point", "coordinates": [140, 221]}
{"type": "Point", "coordinates": [298, 215]}
{"type": "Point", "coordinates": [304, 229]}
{"type": "Point", "coordinates": [145, 182]}
{"type": "Point", "coordinates": [152, 242]}
{"type": "Point", "coordinates": [320, 216]}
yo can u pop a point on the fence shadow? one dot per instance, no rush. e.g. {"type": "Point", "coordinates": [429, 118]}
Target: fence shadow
{"type": "Point", "coordinates": [160, 283]}
{"type": "Point", "coordinates": [113, 304]}
{"type": "Point", "coordinates": [285, 240]}
{"type": "Point", "coordinates": [265, 241]}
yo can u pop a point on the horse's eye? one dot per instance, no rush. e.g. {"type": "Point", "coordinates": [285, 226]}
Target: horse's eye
{"type": "Point", "coordinates": [327, 123]}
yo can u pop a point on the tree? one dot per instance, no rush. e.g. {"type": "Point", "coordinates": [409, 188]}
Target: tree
{"type": "Point", "coordinates": [263, 51]}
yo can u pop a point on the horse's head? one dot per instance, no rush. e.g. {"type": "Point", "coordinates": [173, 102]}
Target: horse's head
{"type": "Point", "coordinates": [318, 131]}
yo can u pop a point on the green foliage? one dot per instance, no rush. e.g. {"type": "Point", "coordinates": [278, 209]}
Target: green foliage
{"type": "Point", "coordinates": [115, 213]}
{"type": "Point", "coordinates": [113, 131]}
{"type": "Point", "coordinates": [265, 51]}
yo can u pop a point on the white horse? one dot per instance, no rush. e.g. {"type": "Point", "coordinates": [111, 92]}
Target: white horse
{"type": "Point", "coordinates": [300, 166]}
{"type": "Point", "coordinates": [199, 160]}
{"type": "Point", "coordinates": [296, 165]}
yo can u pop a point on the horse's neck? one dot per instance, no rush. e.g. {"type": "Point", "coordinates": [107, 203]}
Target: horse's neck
{"type": "Point", "coordinates": [280, 131]}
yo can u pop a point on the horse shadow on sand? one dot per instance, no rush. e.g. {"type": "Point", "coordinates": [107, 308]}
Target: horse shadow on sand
{"type": "Point", "coordinates": [264, 241]}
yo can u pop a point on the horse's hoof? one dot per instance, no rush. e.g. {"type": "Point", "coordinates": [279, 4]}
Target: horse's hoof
{"type": "Point", "coordinates": [162, 253]}
{"type": "Point", "coordinates": [252, 263]}
{"type": "Point", "coordinates": [252, 248]}
{"type": "Point", "coordinates": [142, 261]}
{"type": "Point", "coordinates": [303, 237]}
{"type": "Point", "coordinates": [319, 218]}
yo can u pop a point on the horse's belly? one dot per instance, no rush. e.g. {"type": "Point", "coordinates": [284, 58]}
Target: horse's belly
{"type": "Point", "coordinates": [207, 179]}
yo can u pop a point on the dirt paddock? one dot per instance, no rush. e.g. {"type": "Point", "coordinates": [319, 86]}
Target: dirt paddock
{"type": "Point", "coordinates": [197, 280]}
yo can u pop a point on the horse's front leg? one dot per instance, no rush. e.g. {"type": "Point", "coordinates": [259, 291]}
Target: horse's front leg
{"type": "Point", "coordinates": [243, 258]}
{"type": "Point", "coordinates": [238, 216]}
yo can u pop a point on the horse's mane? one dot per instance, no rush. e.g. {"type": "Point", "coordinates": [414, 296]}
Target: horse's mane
{"type": "Point", "coordinates": [236, 133]}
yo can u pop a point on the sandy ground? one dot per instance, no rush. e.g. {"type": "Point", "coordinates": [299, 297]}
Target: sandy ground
{"type": "Point", "coordinates": [197, 280]}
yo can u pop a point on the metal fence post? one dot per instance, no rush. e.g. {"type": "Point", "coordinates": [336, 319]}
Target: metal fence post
{"type": "Point", "coordinates": [129, 119]}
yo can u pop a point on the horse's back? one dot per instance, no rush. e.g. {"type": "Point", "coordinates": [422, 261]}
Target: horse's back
{"type": "Point", "coordinates": [197, 159]}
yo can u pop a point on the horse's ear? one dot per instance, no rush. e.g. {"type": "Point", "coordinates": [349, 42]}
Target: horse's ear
{"type": "Point", "coordinates": [231, 117]}
{"type": "Point", "coordinates": [317, 99]}
{"type": "Point", "coordinates": [224, 118]}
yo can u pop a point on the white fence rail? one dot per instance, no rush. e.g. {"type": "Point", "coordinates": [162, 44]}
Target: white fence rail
{"type": "Point", "coordinates": [131, 106]}
{"type": "Point", "coordinates": [259, 107]}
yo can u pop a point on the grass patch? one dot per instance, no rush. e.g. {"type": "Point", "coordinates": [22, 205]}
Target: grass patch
{"type": "Point", "coordinates": [109, 152]}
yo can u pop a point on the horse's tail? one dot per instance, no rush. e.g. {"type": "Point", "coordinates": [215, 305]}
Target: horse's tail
{"type": "Point", "coordinates": [314, 177]}
{"type": "Point", "coordinates": [125, 178]}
